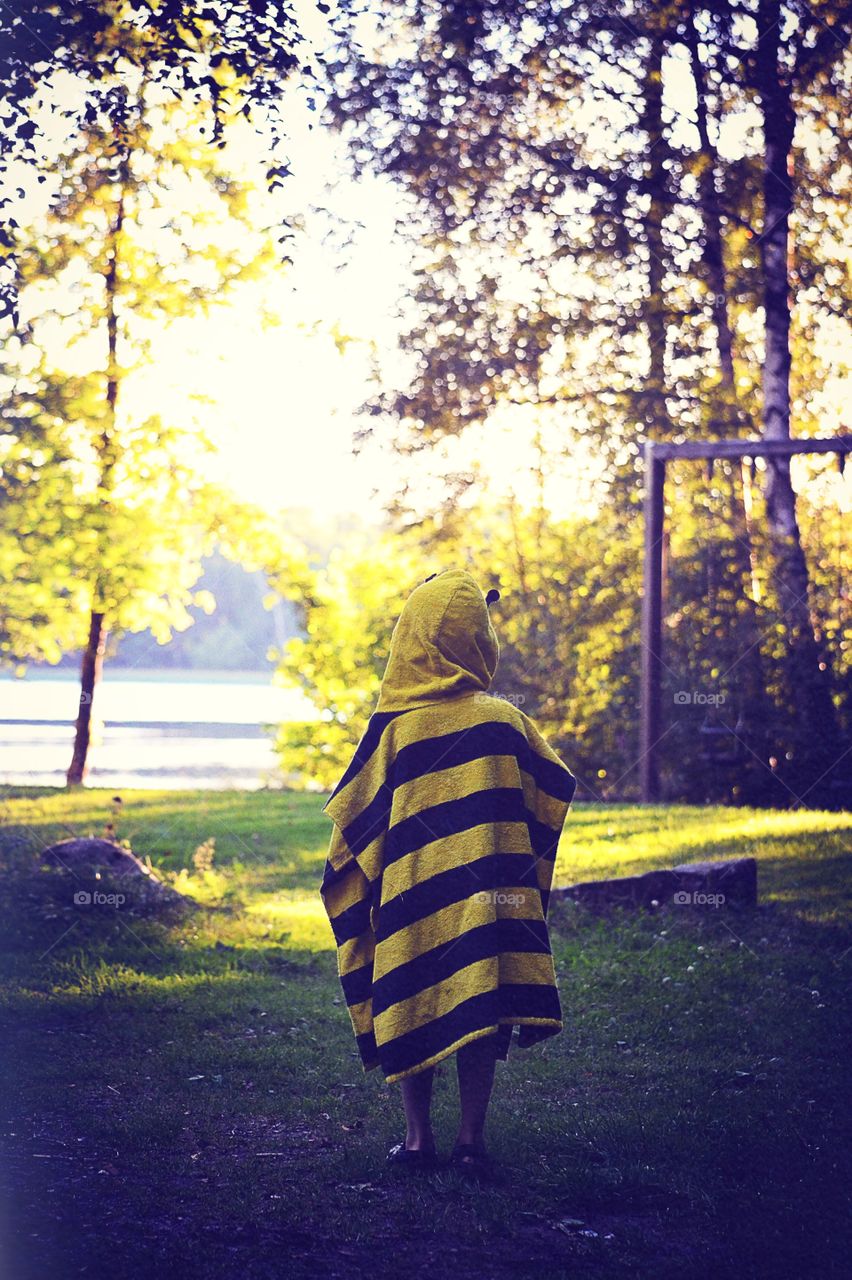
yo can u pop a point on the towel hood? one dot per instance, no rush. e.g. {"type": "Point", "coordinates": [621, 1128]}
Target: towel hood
{"type": "Point", "coordinates": [443, 643]}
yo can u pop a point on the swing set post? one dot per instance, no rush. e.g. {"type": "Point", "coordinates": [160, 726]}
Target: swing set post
{"type": "Point", "coordinates": [652, 619]}
{"type": "Point", "coordinates": [656, 454]}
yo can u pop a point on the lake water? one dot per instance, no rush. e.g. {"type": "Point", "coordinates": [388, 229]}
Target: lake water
{"type": "Point", "coordinates": [151, 729]}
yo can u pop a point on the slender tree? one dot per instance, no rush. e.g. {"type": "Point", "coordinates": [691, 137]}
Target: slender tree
{"type": "Point", "coordinates": [128, 244]}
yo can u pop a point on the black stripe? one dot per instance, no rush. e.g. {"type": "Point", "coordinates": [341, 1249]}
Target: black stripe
{"type": "Point", "coordinates": [494, 871]}
{"type": "Point", "coordinates": [352, 922]}
{"type": "Point", "coordinates": [525, 1000]}
{"type": "Point", "coordinates": [554, 779]}
{"type": "Point", "coordinates": [440, 963]}
{"type": "Point", "coordinates": [366, 748]}
{"type": "Point", "coordinates": [530, 1034]}
{"type": "Point", "coordinates": [544, 839]}
{"type": "Point", "coordinates": [358, 985]}
{"type": "Point", "coordinates": [366, 1045]}
{"type": "Point", "coordinates": [409, 1050]}
{"type": "Point", "coordinates": [331, 878]}
{"type": "Point", "coordinates": [493, 738]}
{"type": "Point", "coordinates": [495, 804]}
{"type": "Point", "coordinates": [502, 1040]}
{"type": "Point", "coordinates": [421, 758]}
{"type": "Point", "coordinates": [529, 1000]}
{"type": "Point", "coordinates": [449, 818]}
{"type": "Point", "coordinates": [490, 738]}
{"type": "Point", "coordinates": [370, 822]}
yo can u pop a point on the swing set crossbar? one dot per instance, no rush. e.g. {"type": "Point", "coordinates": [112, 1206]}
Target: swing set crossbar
{"type": "Point", "coordinates": [656, 454]}
{"type": "Point", "coordinates": [664, 449]}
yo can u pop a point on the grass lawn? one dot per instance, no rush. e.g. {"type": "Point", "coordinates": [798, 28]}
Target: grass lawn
{"type": "Point", "coordinates": [186, 1095]}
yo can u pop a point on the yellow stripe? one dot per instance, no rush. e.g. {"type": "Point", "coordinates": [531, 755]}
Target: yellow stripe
{"type": "Point", "coordinates": [544, 874]}
{"type": "Point", "coordinates": [355, 953]}
{"type": "Point", "coordinates": [441, 998]}
{"type": "Point", "coordinates": [413, 726]}
{"type": "Point", "coordinates": [362, 1016]}
{"type": "Point", "coordinates": [451, 715]}
{"type": "Point", "coordinates": [347, 893]}
{"type": "Point", "coordinates": [453, 851]}
{"type": "Point", "coordinates": [548, 809]}
{"type": "Point", "coordinates": [448, 924]}
{"type": "Point", "coordinates": [435, 1001]}
{"type": "Point", "coordinates": [454, 783]}
{"type": "Point", "coordinates": [370, 859]}
{"type": "Point", "coordinates": [534, 967]}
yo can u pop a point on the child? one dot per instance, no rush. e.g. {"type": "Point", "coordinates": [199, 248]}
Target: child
{"type": "Point", "coordinates": [446, 824]}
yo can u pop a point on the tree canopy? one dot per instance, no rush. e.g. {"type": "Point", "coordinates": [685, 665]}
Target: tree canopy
{"type": "Point", "coordinates": [230, 56]}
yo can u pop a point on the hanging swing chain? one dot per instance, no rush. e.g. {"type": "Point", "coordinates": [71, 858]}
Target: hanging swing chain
{"type": "Point", "coordinates": [841, 594]}
{"type": "Point", "coordinates": [708, 547]}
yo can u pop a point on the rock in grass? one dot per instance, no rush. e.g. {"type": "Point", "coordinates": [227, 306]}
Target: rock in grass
{"type": "Point", "coordinates": [707, 885]}
{"type": "Point", "coordinates": [734, 878]}
{"type": "Point", "coordinates": [106, 874]}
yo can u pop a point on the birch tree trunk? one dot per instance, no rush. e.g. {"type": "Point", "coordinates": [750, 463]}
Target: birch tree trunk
{"type": "Point", "coordinates": [816, 746]}
{"type": "Point", "coordinates": [731, 418]}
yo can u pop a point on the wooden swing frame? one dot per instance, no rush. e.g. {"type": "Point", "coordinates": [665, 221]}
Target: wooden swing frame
{"type": "Point", "coordinates": [657, 453]}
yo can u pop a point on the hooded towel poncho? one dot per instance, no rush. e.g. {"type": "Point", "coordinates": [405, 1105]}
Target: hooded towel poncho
{"type": "Point", "coordinates": [446, 825]}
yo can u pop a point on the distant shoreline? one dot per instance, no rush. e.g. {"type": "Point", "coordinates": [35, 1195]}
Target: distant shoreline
{"type": "Point", "coordinates": [173, 728]}
{"type": "Point", "coordinates": [160, 675]}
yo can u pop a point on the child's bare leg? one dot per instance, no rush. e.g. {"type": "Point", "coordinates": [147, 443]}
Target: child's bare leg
{"type": "Point", "coordinates": [417, 1101]}
{"type": "Point", "coordinates": [475, 1064]}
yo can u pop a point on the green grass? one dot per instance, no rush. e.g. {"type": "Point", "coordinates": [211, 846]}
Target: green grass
{"type": "Point", "coordinates": [186, 1094]}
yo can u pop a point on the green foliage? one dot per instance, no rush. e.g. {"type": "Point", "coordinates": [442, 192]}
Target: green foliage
{"type": "Point", "coordinates": [237, 636]}
{"type": "Point", "coordinates": [589, 197]}
{"type": "Point", "coordinates": [105, 507]}
{"type": "Point", "coordinates": [349, 610]}
{"type": "Point", "coordinates": [580, 233]}
{"type": "Point", "coordinates": [569, 624]}
{"type": "Point", "coordinates": [232, 61]}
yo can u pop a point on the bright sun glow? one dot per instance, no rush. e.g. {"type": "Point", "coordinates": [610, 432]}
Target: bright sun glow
{"type": "Point", "coordinates": [275, 375]}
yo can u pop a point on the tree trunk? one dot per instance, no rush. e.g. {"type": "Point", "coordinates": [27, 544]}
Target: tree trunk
{"type": "Point", "coordinates": [93, 655]}
{"type": "Point", "coordinates": [732, 415]}
{"type": "Point", "coordinates": [731, 420]}
{"type": "Point", "coordinates": [816, 746]}
{"type": "Point", "coordinates": [90, 675]}
{"type": "Point", "coordinates": [655, 184]}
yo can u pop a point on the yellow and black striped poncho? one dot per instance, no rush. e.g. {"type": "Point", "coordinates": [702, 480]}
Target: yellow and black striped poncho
{"type": "Point", "coordinates": [446, 824]}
